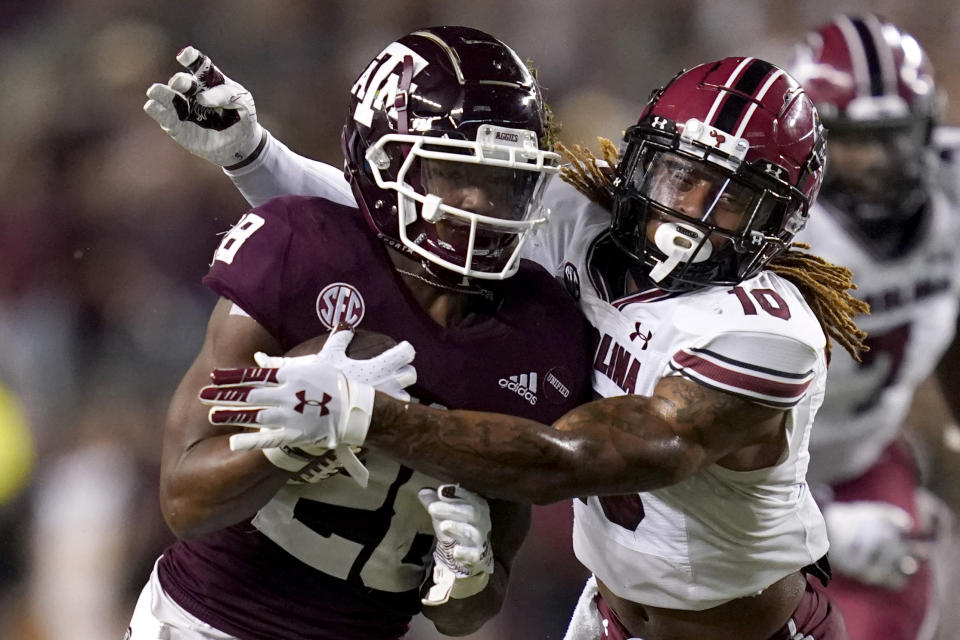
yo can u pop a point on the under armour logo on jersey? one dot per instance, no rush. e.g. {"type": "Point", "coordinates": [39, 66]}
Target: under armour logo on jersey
{"type": "Point", "coordinates": [571, 280]}
{"type": "Point", "coordinates": [524, 385]}
{"type": "Point", "coordinates": [659, 123]}
{"type": "Point", "coordinates": [641, 335]}
{"type": "Point", "coordinates": [322, 403]}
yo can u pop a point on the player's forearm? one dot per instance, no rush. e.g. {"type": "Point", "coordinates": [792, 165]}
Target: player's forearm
{"type": "Point", "coordinates": [603, 447]}
{"type": "Point", "coordinates": [210, 487]}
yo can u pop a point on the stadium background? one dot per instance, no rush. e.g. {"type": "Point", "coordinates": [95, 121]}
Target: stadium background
{"type": "Point", "coordinates": [106, 227]}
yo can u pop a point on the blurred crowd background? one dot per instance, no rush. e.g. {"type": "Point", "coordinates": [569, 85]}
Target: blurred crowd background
{"type": "Point", "coordinates": [107, 226]}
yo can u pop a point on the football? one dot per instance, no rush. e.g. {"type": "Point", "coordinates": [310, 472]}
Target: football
{"type": "Point", "coordinates": [365, 345]}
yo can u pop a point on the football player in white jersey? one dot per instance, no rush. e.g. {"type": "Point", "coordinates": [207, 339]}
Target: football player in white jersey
{"type": "Point", "coordinates": [889, 210]}
{"type": "Point", "coordinates": [711, 364]}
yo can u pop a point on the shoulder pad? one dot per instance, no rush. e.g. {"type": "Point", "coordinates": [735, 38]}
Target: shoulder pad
{"type": "Point", "coordinates": [765, 304]}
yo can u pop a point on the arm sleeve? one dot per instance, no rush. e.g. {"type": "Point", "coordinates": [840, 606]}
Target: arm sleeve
{"type": "Point", "coordinates": [280, 171]}
{"type": "Point", "coordinates": [771, 370]}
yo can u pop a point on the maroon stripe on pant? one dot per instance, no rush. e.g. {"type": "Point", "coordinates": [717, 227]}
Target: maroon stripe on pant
{"type": "Point", "coordinates": [815, 618]}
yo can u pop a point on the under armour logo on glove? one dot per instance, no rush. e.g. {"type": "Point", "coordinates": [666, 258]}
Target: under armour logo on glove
{"type": "Point", "coordinates": [275, 401]}
{"type": "Point", "coordinates": [322, 403]}
{"type": "Point", "coordinates": [273, 398]}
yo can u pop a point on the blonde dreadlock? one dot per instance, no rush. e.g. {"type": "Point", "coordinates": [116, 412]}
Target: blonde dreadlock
{"type": "Point", "coordinates": [824, 286]}
{"type": "Point", "coordinates": [551, 126]}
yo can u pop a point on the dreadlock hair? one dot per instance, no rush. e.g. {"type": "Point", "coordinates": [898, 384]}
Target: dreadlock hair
{"type": "Point", "coordinates": [825, 286]}
{"type": "Point", "coordinates": [551, 126]}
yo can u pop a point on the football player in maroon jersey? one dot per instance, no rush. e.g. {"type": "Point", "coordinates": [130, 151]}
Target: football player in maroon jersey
{"type": "Point", "coordinates": [447, 150]}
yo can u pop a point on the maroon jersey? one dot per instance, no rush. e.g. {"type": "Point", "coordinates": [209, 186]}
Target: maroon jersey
{"type": "Point", "coordinates": [332, 560]}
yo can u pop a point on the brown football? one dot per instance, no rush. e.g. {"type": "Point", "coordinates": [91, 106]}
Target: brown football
{"type": "Point", "coordinates": [365, 345]}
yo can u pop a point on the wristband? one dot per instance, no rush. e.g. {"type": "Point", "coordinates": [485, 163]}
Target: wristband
{"type": "Point", "coordinates": [466, 587]}
{"type": "Point", "coordinates": [287, 458]}
{"type": "Point", "coordinates": [356, 417]}
{"type": "Point", "coordinates": [253, 154]}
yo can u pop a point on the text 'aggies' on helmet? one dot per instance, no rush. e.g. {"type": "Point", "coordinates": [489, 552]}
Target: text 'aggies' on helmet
{"type": "Point", "coordinates": [718, 174]}
{"type": "Point", "coordinates": [445, 150]}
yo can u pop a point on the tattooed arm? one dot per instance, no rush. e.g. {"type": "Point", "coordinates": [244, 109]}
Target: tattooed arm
{"type": "Point", "coordinates": [609, 446]}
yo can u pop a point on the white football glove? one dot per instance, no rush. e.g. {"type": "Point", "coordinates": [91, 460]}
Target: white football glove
{"type": "Point", "coordinates": [389, 372]}
{"type": "Point", "coordinates": [207, 113]}
{"type": "Point", "coordinates": [304, 405]}
{"type": "Point", "coordinates": [870, 541]}
{"type": "Point", "coordinates": [462, 556]}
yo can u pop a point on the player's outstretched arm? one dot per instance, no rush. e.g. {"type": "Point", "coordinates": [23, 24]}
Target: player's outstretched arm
{"type": "Point", "coordinates": [609, 446]}
{"type": "Point", "coordinates": [204, 486]}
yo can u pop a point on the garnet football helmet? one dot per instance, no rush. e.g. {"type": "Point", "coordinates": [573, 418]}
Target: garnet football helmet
{"type": "Point", "coordinates": [718, 174]}
{"type": "Point", "coordinates": [874, 88]}
{"type": "Point", "coordinates": [445, 150]}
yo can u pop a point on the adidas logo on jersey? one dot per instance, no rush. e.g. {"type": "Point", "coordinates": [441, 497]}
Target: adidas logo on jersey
{"type": "Point", "coordinates": [524, 385]}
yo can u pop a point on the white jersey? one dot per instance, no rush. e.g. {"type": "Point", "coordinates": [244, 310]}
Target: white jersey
{"type": "Point", "coordinates": [913, 309]}
{"type": "Point", "coordinates": [719, 534]}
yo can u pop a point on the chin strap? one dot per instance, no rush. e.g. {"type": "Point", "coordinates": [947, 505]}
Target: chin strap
{"type": "Point", "coordinates": [402, 99]}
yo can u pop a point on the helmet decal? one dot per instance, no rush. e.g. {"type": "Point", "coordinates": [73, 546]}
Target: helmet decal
{"type": "Point", "coordinates": [377, 85]}
{"type": "Point", "coordinates": [739, 94]}
{"type": "Point", "coordinates": [444, 150]}
{"type": "Point", "coordinates": [873, 66]}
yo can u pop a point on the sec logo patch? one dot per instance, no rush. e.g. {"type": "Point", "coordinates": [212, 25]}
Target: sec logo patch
{"type": "Point", "coordinates": [340, 303]}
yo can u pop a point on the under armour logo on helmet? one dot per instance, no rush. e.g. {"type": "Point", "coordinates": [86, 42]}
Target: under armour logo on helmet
{"type": "Point", "coordinates": [659, 123]}
{"type": "Point", "coordinates": [775, 171]}
{"type": "Point", "coordinates": [302, 397]}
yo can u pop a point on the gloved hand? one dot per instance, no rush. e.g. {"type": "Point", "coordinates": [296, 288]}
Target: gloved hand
{"type": "Point", "coordinates": [389, 372]}
{"type": "Point", "coordinates": [207, 113]}
{"type": "Point", "coordinates": [304, 405]}
{"type": "Point", "coordinates": [462, 557]}
{"type": "Point", "coordinates": [870, 541]}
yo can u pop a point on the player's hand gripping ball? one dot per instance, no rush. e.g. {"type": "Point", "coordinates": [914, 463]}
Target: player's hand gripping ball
{"type": "Point", "coordinates": [305, 406]}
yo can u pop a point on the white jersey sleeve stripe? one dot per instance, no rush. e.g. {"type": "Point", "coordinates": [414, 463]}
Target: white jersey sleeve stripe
{"type": "Point", "coordinates": [766, 386]}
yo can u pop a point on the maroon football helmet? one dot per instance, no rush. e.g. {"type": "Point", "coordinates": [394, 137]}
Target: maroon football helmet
{"type": "Point", "coordinates": [718, 174]}
{"type": "Point", "coordinates": [873, 85]}
{"type": "Point", "coordinates": [444, 149]}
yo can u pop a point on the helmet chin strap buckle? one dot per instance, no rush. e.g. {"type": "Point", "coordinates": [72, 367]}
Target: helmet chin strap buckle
{"type": "Point", "coordinates": [680, 243]}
